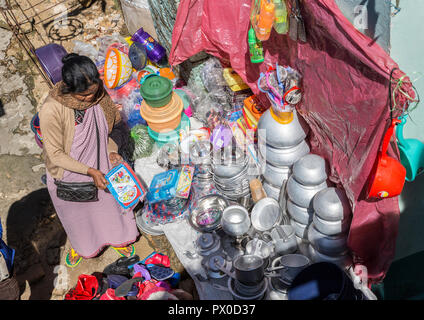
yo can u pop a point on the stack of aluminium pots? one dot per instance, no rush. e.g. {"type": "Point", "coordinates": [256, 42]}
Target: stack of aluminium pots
{"type": "Point", "coordinates": [161, 108]}
{"type": "Point", "coordinates": [285, 135]}
{"type": "Point", "coordinates": [329, 229]}
{"type": "Point", "coordinates": [308, 178]}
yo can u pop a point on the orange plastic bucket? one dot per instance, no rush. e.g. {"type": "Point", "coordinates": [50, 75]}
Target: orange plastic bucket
{"type": "Point", "coordinates": [388, 175]}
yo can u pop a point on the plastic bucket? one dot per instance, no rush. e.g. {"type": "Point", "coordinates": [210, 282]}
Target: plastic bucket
{"type": "Point", "coordinates": [50, 57]}
{"type": "Point", "coordinates": [411, 152]}
{"type": "Point", "coordinates": [323, 281]}
{"type": "Point", "coordinates": [388, 175]}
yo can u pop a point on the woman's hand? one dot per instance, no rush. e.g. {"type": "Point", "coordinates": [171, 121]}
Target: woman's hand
{"type": "Point", "coordinates": [115, 159]}
{"type": "Point", "coordinates": [98, 178]}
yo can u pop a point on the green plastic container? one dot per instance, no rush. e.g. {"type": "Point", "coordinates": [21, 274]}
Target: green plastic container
{"type": "Point", "coordinates": [156, 91]}
{"type": "Point", "coordinates": [164, 138]}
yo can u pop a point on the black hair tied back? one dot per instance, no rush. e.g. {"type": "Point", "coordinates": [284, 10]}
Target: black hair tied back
{"type": "Point", "coordinates": [78, 73]}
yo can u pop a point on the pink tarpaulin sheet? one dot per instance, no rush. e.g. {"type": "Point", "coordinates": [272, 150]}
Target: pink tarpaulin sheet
{"type": "Point", "coordinates": [345, 99]}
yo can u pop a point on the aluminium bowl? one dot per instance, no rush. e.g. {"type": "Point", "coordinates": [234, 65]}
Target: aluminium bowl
{"type": "Point", "coordinates": [328, 245]}
{"type": "Point", "coordinates": [283, 135]}
{"type": "Point", "coordinates": [331, 228]}
{"type": "Point", "coordinates": [310, 170]}
{"type": "Point", "coordinates": [276, 175]}
{"type": "Point", "coordinates": [271, 190]}
{"type": "Point", "coordinates": [343, 260]}
{"type": "Point", "coordinates": [300, 214]}
{"type": "Point", "coordinates": [302, 195]}
{"type": "Point", "coordinates": [206, 216]}
{"type": "Point", "coordinates": [235, 220]}
{"type": "Point", "coordinates": [282, 157]}
{"type": "Point", "coordinates": [332, 204]}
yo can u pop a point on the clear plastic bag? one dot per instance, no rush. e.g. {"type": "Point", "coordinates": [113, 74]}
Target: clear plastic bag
{"type": "Point", "coordinates": [85, 49]}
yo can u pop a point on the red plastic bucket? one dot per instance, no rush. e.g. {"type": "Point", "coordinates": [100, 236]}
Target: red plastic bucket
{"type": "Point", "coordinates": [388, 175]}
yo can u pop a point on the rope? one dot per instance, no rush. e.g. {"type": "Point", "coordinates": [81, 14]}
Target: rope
{"type": "Point", "coordinates": [398, 90]}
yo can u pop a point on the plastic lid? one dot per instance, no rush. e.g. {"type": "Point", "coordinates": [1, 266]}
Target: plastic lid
{"type": "Point", "coordinates": [167, 73]}
{"type": "Point", "coordinates": [156, 88]}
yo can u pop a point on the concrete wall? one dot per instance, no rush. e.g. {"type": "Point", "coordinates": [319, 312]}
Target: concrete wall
{"type": "Point", "coordinates": [407, 50]}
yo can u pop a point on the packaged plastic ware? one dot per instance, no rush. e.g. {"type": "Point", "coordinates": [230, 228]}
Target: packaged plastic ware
{"type": "Point", "coordinates": [163, 186]}
{"type": "Point", "coordinates": [124, 185]}
{"type": "Point", "coordinates": [184, 182]}
{"type": "Point", "coordinates": [281, 23]}
{"type": "Point", "coordinates": [263, 18]}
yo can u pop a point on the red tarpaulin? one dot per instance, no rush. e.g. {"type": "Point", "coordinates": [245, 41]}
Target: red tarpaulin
{"type": "Point", "coordinates": [345, 99]}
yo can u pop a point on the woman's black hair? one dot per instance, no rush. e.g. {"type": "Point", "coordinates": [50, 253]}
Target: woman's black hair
{"type": "Point", "coordinates": [78, 73]}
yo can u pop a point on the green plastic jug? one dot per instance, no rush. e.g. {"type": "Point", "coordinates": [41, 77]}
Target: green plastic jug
{"type": "Point", "coordinates": [411, 152]}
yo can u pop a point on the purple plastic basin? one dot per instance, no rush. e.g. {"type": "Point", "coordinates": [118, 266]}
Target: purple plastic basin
{"type": "Point", "coordinates": [50, 57]}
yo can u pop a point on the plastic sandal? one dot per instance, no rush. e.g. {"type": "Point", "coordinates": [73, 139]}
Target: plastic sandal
{"type": "Point", "coordinates": [123, 255]}
{"type": "Point", "coordinates": [157, 259]}
{"type": "Point", "coordinates": [72, 254]}
{"type": "Point", "coordinates": [120, 266]}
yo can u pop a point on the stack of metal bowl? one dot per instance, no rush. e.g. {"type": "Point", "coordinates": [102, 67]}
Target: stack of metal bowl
{"type": "Point", "coordinates": [308, 178]}
{"type": "Point", "coordinates": [329, 229]}
{"type": "Point", "coordinates": [230, 173]}
{"type": "Point", "coordinates": [284, 145]}
{"type": "Point", "coordinates": [200, 157]}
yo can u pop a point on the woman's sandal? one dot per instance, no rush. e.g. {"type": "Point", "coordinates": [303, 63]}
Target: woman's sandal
{"type": "Point", "coordinates": [124, 250]}
{"type": "Point", "coordinates": [72, 255]}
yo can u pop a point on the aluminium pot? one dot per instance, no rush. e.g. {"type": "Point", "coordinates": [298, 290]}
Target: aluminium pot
{"type": "Point", "coordinates": [302, 195]}
{"type": "Point", "coordinates": [310, 170]}
{"type": "Point", "coordinates": [300, 214]}
{"type": "Point", "coordinates": [343, 260]}
{"type": "Point", "coordinates": [235, 220]}
{"type": "Point", "coordinates": [328, 245]}
{"type": "Point", "coordinates": [331, 204]}
{"type": "Point", "coordinates": [271, 190]}
{"type": "Point", "coordinates": [249, 269]}
{"type": "Point", "coordinates": [283, 157]}
{"type": "Point", "coordinates": [331, 228]}
{"type": "Point", "coordinates": [280, 135]}
{"type": "Point", "coordinates": [276, 175]}
{"type": "Point", "coordinates": [301, 230]}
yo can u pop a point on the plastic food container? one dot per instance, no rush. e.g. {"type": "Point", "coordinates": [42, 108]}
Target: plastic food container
{"type": "Point", "coordinates": [171, 136]}
{"type": "Point", "coordinates": [156, 91]}
{"type": "Point", "coordinates": [163, 119]}
{"type": "Point", "coordinates": [163, 186]}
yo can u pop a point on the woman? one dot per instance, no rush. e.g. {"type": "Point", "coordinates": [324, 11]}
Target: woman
{"type": "Point", "coordinates": [76, 113]}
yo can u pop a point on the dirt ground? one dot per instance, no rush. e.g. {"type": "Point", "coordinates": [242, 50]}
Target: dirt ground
{"type": "Point", "coordinates": [30, 223]}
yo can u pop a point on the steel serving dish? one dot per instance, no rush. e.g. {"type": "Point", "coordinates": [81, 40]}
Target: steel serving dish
{"type": "Point", "coordinates": [207, 212]}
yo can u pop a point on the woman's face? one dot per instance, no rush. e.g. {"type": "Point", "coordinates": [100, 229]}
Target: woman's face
{"type": "Point", "coordinates": [88, 95]}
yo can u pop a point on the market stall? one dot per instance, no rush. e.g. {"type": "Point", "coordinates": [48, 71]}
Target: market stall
{"type": "Point", "coordinates": [271, 167]}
